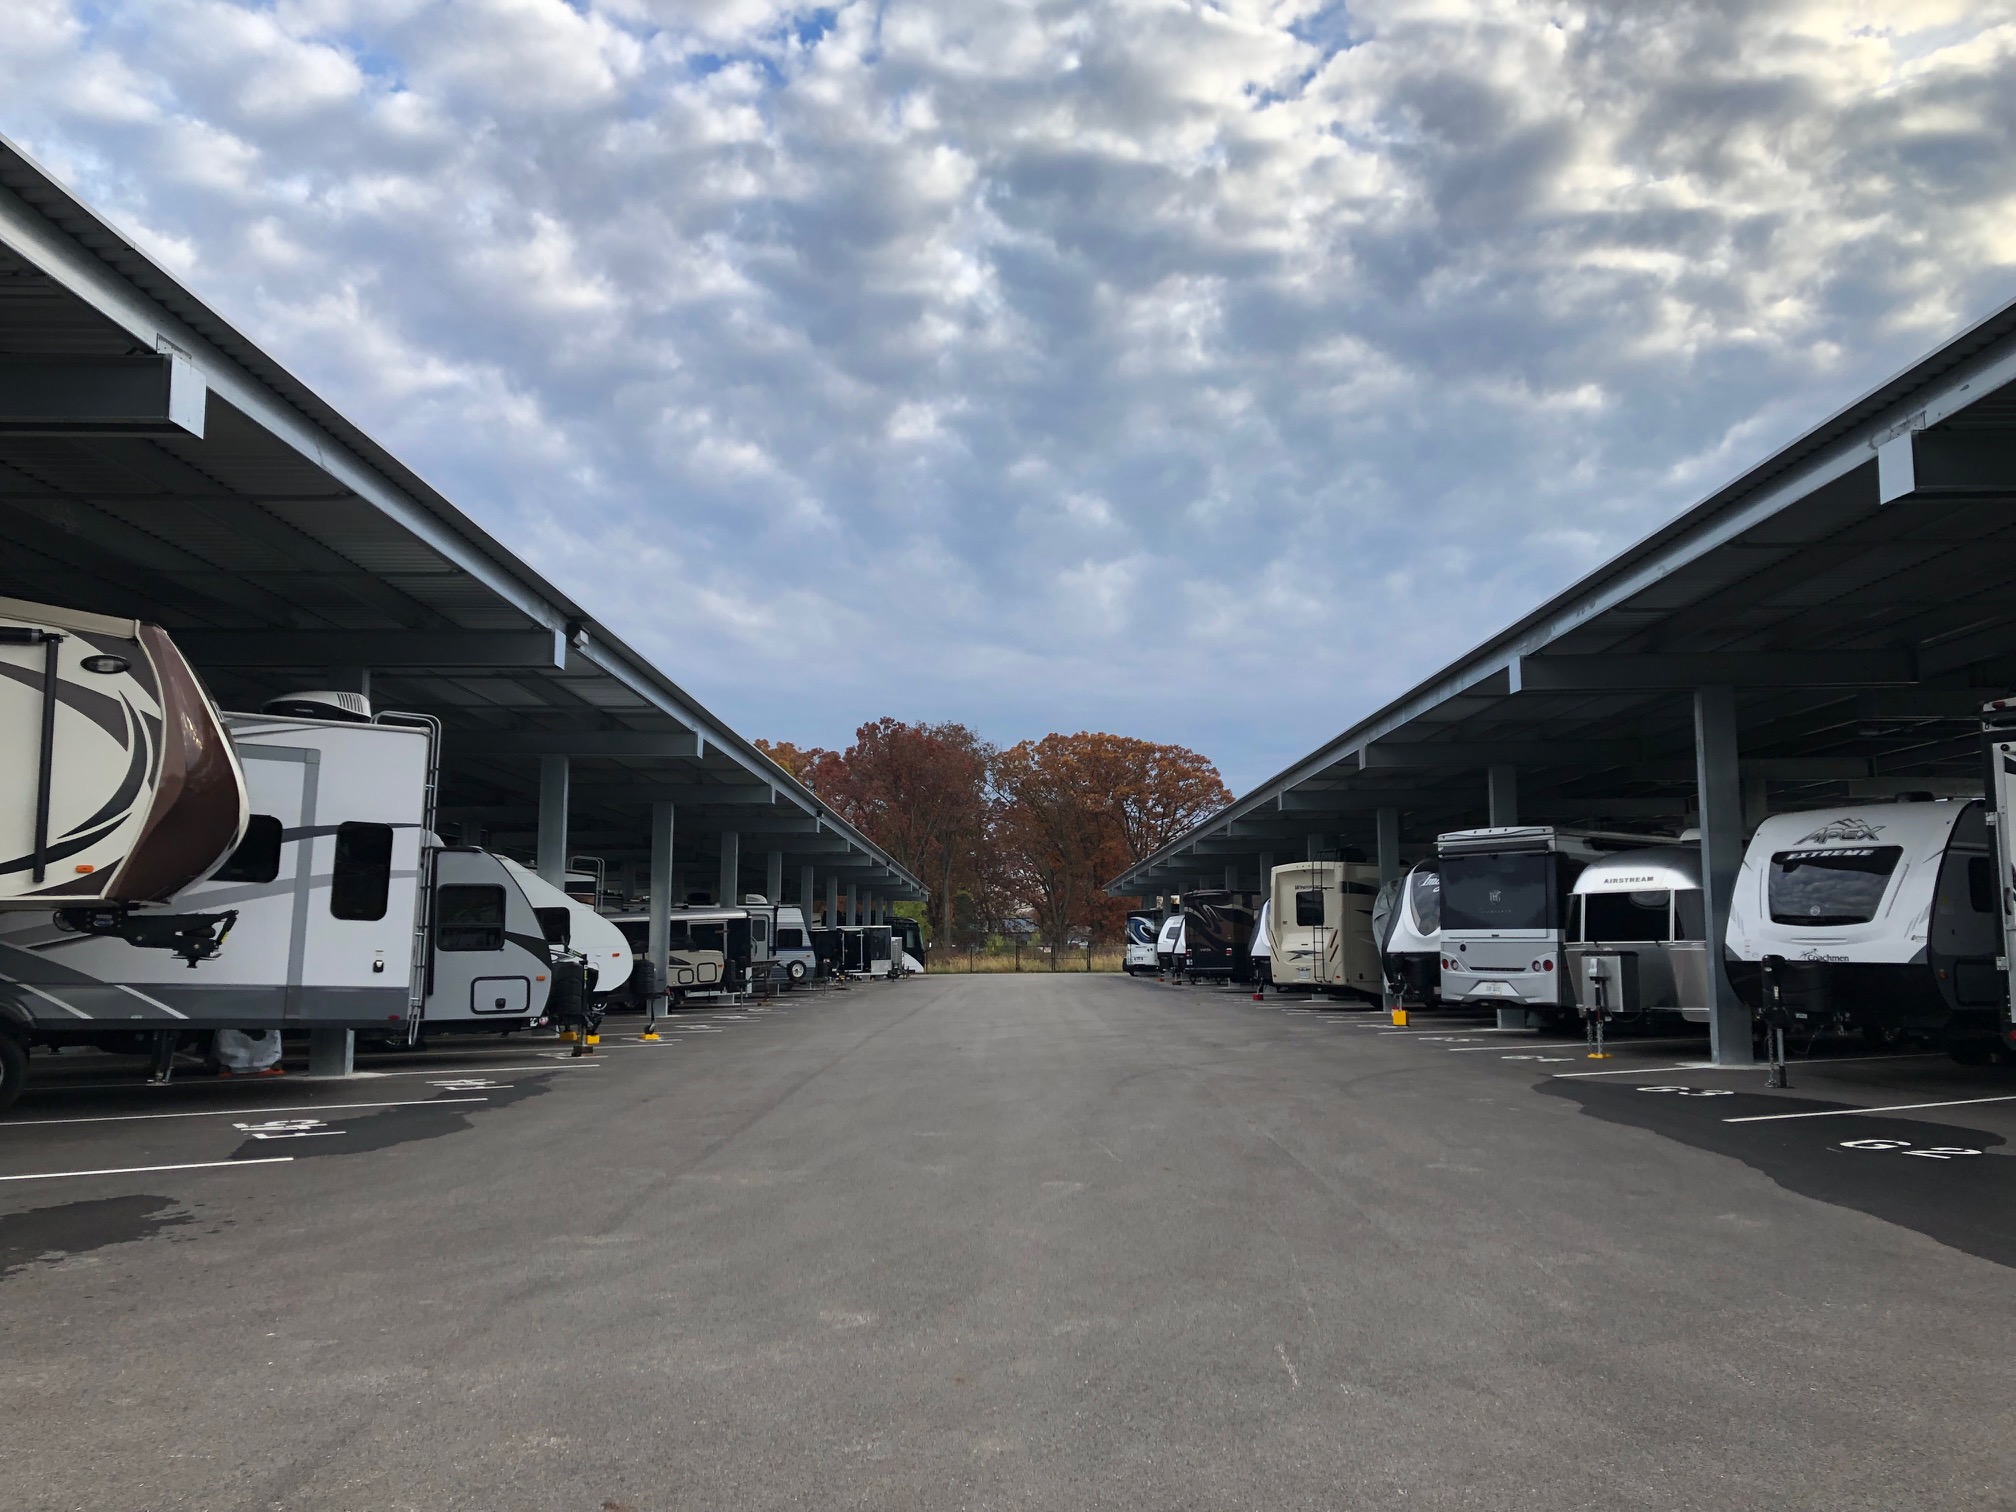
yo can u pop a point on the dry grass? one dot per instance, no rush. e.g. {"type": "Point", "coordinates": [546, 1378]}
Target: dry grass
{"type": "Point", "coordinates": [1104, 958]}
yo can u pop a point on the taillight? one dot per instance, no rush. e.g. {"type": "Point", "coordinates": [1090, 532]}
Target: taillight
{"type": "Point", "coordinates": [1549, 965]}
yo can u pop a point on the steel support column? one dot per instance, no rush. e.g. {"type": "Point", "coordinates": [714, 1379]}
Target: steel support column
{"type": "Point", "coordinates": [1319, 846]}
{"type": "Point", "coordinates": [332, 1052]}
{"type": "Point", "coordinates": [552, 865]}
{"type": "Point", "coordinates": [1231, 876]}
{"type": "Point", "coordinates": [773, 877]}
{"type": "Point", "coordinates": [1388, 823]}
{"type": "Point", "coordinates": [1503, 792]}
{"type": "Point", "coordinates": [1719, 783]}
{"type": "Point", "coordinates": [805, 890]}
{"type": "Point", "coordinates": [663, 880]}
{"type": "Point", "coordinates": [730, 891]}
{"type": "Point", "coordinates": [1266, 873]}
{"type": "Point", "coordinates": [832, 918]}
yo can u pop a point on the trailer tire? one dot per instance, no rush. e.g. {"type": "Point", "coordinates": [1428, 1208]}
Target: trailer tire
{"type": "Point", "coordinates": [796, 971]}
{"type": "Point", "coordinates": [13, 1069]}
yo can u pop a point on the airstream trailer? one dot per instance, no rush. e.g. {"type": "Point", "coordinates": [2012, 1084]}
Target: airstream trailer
{"type": "Point", "coordinates": [1878, 917]}
{"type": "Point", "coordinates": [1141, 929]}
{"type": "Point", "coordinates": [1169, 941]}
{"type": "Point", "coordinates": [1637, 939]}
{"type": "Point", "coordinates": [1320, 926]}
{"type": "Point", "coordinates": [1410, 935]}
{"type": "Point", "coordinates": [1504, 907]}
{"type": "Point", "coordinates": [1217, 930]}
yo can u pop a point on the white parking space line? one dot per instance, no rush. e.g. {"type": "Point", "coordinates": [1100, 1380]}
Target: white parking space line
{"type": "Point", "coordinates": [472, 1070]}
{"type": "Point", "coordinates": [195, 1165]}
{"type": "Point", "coordinates": [1958, 1102]}
{"type": "Point", "coordinates": [418, 1102]}
{"type": "Point", "coordinates": [1825, 1060]}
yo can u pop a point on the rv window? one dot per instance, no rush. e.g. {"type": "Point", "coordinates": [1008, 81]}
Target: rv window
{"type": "Point", "coordinates": [790, 939]}
{"type": "Point", "coordinates": [1498, 892]}
{"type": "Point", "coordinates": [1427, 892]}
{"type": "Point", "coordinates": [257, 858]}
{"type": "Point", "coordinates": [556, 924]}
{"type": "Point", "coordinates": [363, 876]}
{"type": "Point", "coordinates": [706, 936]}
{"type": "Point", "coordinates": [1625, 916]}
{"type": "Point", "coordinates": [759, 929]}
{"type": "Point", "coordinates": [1981, 885]}
{"type": "Point", "coordinates": [637, 936]}
{"type": "Point", "coordinates": [1308, 908]}
{"type": "Point", "coordinates": [1822, 889]}
{"type": "Point", "coordinates": [1690, 918]}
{"type": "Point", "coordinates": [469, 916]}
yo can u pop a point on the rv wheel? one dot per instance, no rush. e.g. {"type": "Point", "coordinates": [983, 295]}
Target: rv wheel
{"type": "Point", "coordinates": [796, 972]}
{"type": "Point", "coordinates": [13, 1069]}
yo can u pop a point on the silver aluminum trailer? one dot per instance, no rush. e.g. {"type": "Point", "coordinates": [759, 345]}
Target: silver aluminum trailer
{"type": "Point", "coordinates": [1637, 935]}
{"type": "Point", "coordinates": [1879, 917]}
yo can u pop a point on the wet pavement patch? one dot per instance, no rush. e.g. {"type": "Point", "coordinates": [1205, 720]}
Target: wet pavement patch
{"type": "Point", "coordinates": [49, 1234]}
{"type": "Point", "coordinates": [1941, 1180]}
{"type": "Point", "coordinates": [305, 1137]}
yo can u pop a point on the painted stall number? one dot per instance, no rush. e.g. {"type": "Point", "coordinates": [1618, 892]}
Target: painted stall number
{"type": "Point", "coordinates": [1691, 1091]}
{"type": "Point", "coordinates": [1905, 1147]}
{"type": "Point", "coordinates": [286, 1128]}
{"type": "Point", "coordinates": [1545, 1060]}
{"type": "Point", "coordinates": [463, 1084]}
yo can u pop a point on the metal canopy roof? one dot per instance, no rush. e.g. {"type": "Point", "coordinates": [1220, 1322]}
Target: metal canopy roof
{"type": "Point", "coordinates": [284, 547]}
{"type": "Point", "coordinates": [1854, 589]}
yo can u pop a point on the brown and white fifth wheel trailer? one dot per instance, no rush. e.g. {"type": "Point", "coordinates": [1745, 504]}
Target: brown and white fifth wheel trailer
{"type": "Point", "coordinates": [118, 784]}
{"type": "Point", "coordinates": [1320, 927]}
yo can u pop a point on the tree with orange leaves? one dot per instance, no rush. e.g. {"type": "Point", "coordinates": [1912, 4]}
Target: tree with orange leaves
{"type": "Point", "coordinates": [1076, 810]}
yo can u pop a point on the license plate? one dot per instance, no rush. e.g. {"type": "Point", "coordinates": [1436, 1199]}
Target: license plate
{"type": "Point", "coordinates": [1494, 989]}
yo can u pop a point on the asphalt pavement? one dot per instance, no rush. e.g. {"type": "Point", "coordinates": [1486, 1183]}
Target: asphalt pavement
{"type": "Point", "coordinates": [986, 1242]}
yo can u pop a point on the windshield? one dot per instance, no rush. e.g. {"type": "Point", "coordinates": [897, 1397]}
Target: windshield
{"type": "Point", "coordinates": [1822, 889]}
{"type": "Point", "coordinates": [1498, 892]}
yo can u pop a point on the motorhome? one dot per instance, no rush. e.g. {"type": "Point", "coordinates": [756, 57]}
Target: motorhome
{"type": "Point", "coordinates": [1217, 931]}
{"type": "Point", "coordinates": [1504, 908]}
{"type": "Point", "coordinates": [1880, 917]}
{"type": "Point", "coordinates": [1320, 927]}
{"type": "Point", "coordinates": [911, 953]}
{"type": "Point", "coordinates": [1637, 941]}
{"type": "Point", "coordinates": [1140, 953]}
{"type": "Point", "coordinates": [1169, 943]}
{"type": "Point", "coordinates": [1409, 934]}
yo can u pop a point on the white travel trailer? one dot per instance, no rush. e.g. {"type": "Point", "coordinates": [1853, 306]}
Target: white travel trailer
{"type": "Point", "coordinates": [1409, 927]}
{"type": "Point", "coordinates": [1637, 937]}
{"type": "Point", "coordinates": [780, 942]}
{"type": "Point", "coordinates": [1141, 927]}
{"type": "Point", "coordinates": [1261, 950]}
{"type": "Point", "coordinates": [1880, 917]}
{"type": "Point", "coordinates": [1320, 927]}
{"type": "Point", "coordinates": [1504, 907]}
{"type": "Point", "coordinates": [570, 925]}
{"type": "Point", "coordinates": [118, 784]}
{"type": "Point", "coordinates": [709, 950]}
{"type": "Point", "coordinates": [335, 910]}
{"type": "Point", "coordinates": [488, 965]}
{"type": "Point", "coordinates": [1169, 945]}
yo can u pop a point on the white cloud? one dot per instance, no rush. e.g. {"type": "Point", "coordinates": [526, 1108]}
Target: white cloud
{"type": "Point", "coordinates": [1034, 340]}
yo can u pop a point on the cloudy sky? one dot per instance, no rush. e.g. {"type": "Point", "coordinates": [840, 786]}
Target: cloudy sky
{"type": "Point", "coordinates": [1205, 372]}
